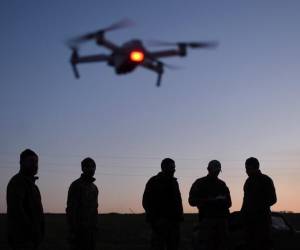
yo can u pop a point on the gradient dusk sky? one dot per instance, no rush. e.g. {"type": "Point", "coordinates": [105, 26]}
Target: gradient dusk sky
{"type": "Point", "coordinates": [239, 100]}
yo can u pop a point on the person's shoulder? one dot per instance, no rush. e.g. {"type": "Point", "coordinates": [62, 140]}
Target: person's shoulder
{"type": "Point", "coordinates": [158, 176]}
{"type": "Point", "coordinates": [17, 183]}
{"type": "Point", "coordinates": [200, 180]}
{"type": "Point", "coordinates": [76, 183]}
{"type": "Point", "coordinates": [221, 182]}
{"type": "Point", "coordinates": [94, 186]}
{"type": "Point", "coordinates": [157, 180]}
{"type": "Point", "coordinates": [174, 179]}
{"type": "Point", "coordinates": [204, 178]}
{"type": "Point", "coordinates": [154, 178]}
{"type": "Point", "coordinates": [16, 179]}
{"type": "Point", "coordinates": [266, 178]}
{"type": "Point", "coordinates": [248, 179]}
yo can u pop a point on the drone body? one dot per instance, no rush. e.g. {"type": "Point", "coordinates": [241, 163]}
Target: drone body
{"type": "Point", "coordinates": [130, 55]}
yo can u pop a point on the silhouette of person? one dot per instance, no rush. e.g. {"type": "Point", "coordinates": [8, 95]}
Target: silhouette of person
{"type": "Point", "coordinates": [259, 196]}
{"type": "Point", "coordinates": [82, 208]}
{"type": "Point", "coordinates": [163, 206]}
{"type": "Point", "coordinates": [212, 198]}
{"type": "Point", "coordinates": [24, 206]}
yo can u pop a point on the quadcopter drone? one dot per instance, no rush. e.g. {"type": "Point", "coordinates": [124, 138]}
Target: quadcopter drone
{"type": "Point", "coordinates": [131, 54]}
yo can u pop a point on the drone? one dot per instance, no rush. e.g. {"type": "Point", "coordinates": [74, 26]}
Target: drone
{"type": "Point", "coordinates": [131, 54]}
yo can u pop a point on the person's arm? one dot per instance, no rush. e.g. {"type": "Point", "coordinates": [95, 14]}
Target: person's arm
{"type": "Point", "coordinates": [72, 207]}
{"type": "Point", "coordinates": [228, 197]}
{"type": "Point", "coordinates": [271, 193]}
{"type": "Point", "coordinates": [195, 197]}
{"type": "Point", "coordinates": [96, 209]}
{"type": "Point", "coordinates": [147, 197]}
{"type": "Point", "coordinates": [243, 208]}
{"type": "Point", "coordinates": [42, 225]}
{"type": "Point", "coordinates": [15, 197]}
{"type": "Point", "coordinates": [179, 202]}
{"type": "Point", "coordinates": [149, 201]}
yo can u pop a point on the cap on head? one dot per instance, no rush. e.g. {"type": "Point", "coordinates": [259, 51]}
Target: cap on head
{"type": "Point", "coordinates": [27, 153]}
{"type": "Point", "coordinates": [252, 163]}
{"type": "Point", "coordinates": [214, 166]}
{"type": "Point", "coordinates": [167, 164]}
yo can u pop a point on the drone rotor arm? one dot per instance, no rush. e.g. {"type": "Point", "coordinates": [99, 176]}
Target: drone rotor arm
{"type": "Point", "coordinates": [92, 58]}
{"type": "Point", "coordinates": [165, 53]}
{"type": "Point", "coordinates": [75, 59]}
{"type": "Point", "coordinates": [184, 45]}
{"type": "Point", "coordinates": [200, 45]}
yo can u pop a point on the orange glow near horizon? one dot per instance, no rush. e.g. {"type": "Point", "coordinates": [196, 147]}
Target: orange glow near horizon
{"type": "Point", "coordinates": [123, 194]}
{"type": "Point", "coordinates": [131, 203]}
{"type": "Point", "coordinates": [137, 56]}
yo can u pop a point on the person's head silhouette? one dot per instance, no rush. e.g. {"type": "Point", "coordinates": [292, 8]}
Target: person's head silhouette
{"type": "Point", "coordinates": [214, 168]}
{"type": "Point", "coordinates": [29, 162]}
{"type": "Point", "coordinates": [168, 166]}
{"type": "Point", "coordinates": [252, 166]}
{"type": "Point", "coordinates": [88, 167]}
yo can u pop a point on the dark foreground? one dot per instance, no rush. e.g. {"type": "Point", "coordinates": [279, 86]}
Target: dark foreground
{"type": "Point", "coordinates": [119, 231]}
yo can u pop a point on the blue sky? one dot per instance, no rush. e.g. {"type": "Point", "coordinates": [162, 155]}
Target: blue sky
{"type": "Point", "coordinates": [239, 100]}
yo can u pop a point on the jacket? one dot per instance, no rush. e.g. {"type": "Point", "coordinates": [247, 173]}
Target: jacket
{"type": "Point", "coordinates": [82, 204]}
{"type": "Point", "coordinates": [25, 216]}
{"type": "Point", "coordinates": [162, 199]}
{"type": "Point", "coordinates": [259, 196]}
{"type": "Point", "coordinates": [203, 193]}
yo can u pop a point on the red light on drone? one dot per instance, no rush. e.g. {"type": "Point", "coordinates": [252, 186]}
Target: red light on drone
{"type": "Point", "coordinates": [137, 56]}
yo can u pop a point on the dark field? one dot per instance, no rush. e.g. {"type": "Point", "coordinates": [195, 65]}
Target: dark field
{"type": "Point", "coordinates": [118, 231]}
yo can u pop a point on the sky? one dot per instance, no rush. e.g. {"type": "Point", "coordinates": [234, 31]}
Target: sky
{"type": "Point", "coordinates": [236, 101]}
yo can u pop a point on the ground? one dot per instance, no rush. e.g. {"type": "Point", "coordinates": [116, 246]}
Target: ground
{"type": "Point", "coordinates": [116, 232]}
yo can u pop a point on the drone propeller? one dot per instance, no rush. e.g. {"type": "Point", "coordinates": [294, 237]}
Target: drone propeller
{"type": "Point", "coordinates": [124, 23]}
{"type": "Point", "coordinates": [193, 45]}
{"type": "Point", "coordinates": [94, 35]}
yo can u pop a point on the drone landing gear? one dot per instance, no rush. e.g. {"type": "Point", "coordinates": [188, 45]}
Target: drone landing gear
{"type": "Point", "coordinates": [158, 83]}
{"type": "Point", "coordinates": [160, 71]}
{"type": "Point", "coordinates": [73, 61]}
{"type": "Point", "coordinates": [75, 71]}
